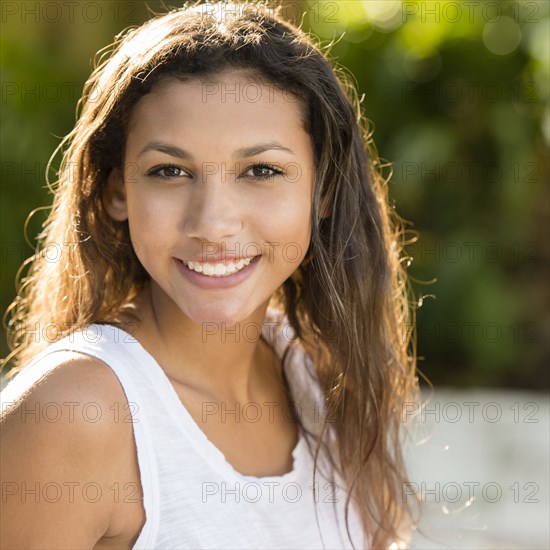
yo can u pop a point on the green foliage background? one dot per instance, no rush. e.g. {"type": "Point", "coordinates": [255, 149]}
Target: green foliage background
{"type": "Point", "coordinates": [457, 92]}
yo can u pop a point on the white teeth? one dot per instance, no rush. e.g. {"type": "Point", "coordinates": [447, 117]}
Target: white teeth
{"type": "Point", "coordinates": [219, 269]}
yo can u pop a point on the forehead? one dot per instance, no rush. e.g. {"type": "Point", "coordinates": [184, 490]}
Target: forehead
{"type": "Point", "coordinates": [235, 100]}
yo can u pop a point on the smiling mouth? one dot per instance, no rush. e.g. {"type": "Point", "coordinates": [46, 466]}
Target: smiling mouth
{"type": "Point", "coordinates": [219, 269]}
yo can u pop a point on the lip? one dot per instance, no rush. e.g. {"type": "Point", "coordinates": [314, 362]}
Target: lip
{"type": "Point", "coordinates": [211, 283]}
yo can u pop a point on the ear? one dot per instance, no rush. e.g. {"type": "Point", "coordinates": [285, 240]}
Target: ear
{"type": "Point", "coordinates": [114, 197]}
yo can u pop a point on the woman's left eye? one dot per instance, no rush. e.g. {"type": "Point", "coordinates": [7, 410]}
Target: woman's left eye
{"type": "Point", "coordinates": [170, 171]}
{"type": "Point", "coordinates": [264, 171]}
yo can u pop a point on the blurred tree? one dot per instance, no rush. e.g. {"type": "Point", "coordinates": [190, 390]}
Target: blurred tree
{"type": "Point", "coordinates": [458, 92]}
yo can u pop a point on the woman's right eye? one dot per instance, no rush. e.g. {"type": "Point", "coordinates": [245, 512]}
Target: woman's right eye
{"type": "Point", "coordinates": [167, 171]}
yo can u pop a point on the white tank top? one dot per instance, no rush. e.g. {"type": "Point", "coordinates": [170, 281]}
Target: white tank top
{"type": "Point", "coordinates": [193, 497]}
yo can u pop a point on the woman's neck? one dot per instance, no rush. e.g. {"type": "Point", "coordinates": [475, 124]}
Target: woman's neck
{"type": "Point", "coordinates": [221, 363]}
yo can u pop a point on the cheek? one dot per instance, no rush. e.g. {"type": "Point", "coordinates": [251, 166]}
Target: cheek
{"type": "Point", "coordinates": [150, 222]}
{"type": "Point", "coordinates": [289, 225]}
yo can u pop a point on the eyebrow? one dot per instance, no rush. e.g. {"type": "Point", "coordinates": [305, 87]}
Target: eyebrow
{"type": "Point", "coordinates": [260, 148]}
{"type": "Point", "coordinates": [171, 150]}
{"type": "Point", "coordinates": [244, 152]}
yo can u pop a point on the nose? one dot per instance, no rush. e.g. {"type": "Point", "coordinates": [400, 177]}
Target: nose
{"type": "Point", "coordinates": [213, 212]}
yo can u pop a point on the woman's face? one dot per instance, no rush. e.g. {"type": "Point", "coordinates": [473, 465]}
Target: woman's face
{"type": "Point", "coordinates": [190, 192]}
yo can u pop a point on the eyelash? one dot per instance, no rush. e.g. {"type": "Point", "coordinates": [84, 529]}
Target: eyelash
{"type": "Point", "coordinates": [154, 172]}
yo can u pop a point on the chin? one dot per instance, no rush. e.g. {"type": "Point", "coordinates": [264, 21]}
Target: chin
{"type": "Point", "coordinates": [219, 315]}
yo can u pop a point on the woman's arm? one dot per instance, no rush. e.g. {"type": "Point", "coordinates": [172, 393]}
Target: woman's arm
{"type": "Point", "coordinates": [61, 449]}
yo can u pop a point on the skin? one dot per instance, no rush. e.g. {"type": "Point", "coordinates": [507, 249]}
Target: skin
{"type": "Point", "coordinates": [57, 459]}
{"type": "Point", "coordinates": [207, 205]}
{"type": "Point", "coordinates": [171, 218]}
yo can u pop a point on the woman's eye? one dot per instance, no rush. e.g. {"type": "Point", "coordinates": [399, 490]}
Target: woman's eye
{"type": "Point", "coordinates": [263, 171]}
{"type": "Point", "coordinates": [167, 171]}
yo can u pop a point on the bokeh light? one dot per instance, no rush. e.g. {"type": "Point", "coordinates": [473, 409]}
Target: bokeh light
{"type": "Point", "coordinates": [502, 36]}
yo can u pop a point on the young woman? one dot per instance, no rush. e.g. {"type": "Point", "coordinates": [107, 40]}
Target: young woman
{"type": "Point", "coordinates": [210, 345]}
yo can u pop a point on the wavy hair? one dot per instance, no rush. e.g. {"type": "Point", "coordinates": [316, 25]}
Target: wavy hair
{"type": "Point", "coordinates": [348, 302]}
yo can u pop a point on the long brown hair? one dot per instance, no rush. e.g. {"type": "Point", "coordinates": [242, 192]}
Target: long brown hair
{"type": "Point", "coordinates": [348, 302]}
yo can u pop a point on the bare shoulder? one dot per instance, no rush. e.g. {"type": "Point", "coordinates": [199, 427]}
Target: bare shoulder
{"type": "Point", "coordinates": [76, 395]}
{"type": "Point", "coordinates": [62, 448]}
